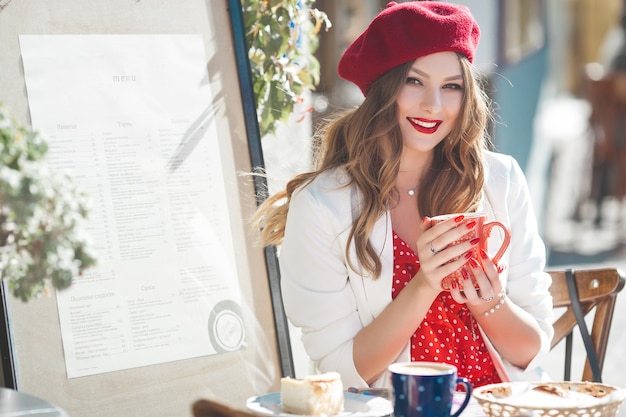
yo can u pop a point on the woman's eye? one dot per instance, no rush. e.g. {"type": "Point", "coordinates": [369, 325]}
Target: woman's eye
{"type": "Point", "coordinates": [412, 80]}
{"type": "Point", "coordinates": [453, 86]}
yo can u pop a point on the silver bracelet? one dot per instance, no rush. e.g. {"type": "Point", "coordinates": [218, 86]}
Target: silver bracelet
{"type": "Point", "coordinates": [496, 307]}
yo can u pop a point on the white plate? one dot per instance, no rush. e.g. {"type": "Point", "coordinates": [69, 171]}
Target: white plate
{"type": "Point", "coordinates": [355, 405]}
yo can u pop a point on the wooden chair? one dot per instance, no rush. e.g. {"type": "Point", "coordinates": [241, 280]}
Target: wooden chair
{"type": "Point", "coordinates": [210, 408]}
{"type": "Point", "coordinates": [597, 290]}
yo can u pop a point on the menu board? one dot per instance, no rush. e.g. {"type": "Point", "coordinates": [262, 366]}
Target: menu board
{"type": "Point", "coordinates": [130, 118]}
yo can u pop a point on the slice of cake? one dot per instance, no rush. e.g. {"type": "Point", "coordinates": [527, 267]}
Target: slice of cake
{"type": "Point", "coordinates": [315, 395]}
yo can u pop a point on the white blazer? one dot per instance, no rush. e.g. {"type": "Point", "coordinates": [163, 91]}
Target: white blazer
{"type": "Point", "coordinates": [332, 302]}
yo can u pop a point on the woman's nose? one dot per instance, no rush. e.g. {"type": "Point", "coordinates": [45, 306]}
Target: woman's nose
{"type": "Point", "coordinates": [431, 100]}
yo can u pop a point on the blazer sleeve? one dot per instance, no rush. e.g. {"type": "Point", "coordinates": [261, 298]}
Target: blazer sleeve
{"type": "Point", "coordinates": [314, 279]}
{"type": "Point", "coordinates": [527, 282]}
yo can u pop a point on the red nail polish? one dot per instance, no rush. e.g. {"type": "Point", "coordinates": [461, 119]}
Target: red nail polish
{"type": "Point", "coordinates": [474, 241]}
{"type": "Point", "coordinates": [453, 284]}
{"type": "Point", "coordinates": [468, 255]}
{"type": "Point", "coordinates": [425, 219]}
{"type": "Point", "coordinates": [484, 254]}
{"type": "Point", "coordinates": [465, 273]}
{"type": "Point", "coordinates": [471, 224]}
{"type": "Point", "coordinates": [474, 263]}
{"type": "Point", "coordinates": [500, 269]}
{"type": "Point", "coordinates": [459, 219]}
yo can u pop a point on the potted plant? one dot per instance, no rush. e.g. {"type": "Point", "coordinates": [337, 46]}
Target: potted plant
{"type": "Point", "coordinates": [282, 39]}
{"type": "Point", "coordinates": [43, 240]}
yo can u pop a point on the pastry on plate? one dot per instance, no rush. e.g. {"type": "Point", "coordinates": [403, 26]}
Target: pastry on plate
{"type": "Point", "coordinates": [314, 395]}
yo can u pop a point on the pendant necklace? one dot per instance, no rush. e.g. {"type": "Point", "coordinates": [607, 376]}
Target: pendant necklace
{"type": "Point", "coordinates": [412, 191]}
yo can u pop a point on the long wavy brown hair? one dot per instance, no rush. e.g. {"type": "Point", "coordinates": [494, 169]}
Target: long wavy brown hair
{"type": "Point", "coordinates": [366, 142]}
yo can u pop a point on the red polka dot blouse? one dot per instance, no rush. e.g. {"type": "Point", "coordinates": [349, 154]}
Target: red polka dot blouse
{"type": "Point", "coordinates": [448, 333]}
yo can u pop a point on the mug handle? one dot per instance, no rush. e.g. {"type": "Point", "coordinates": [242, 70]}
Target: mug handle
{"type": "Point", "coordinates": [507, 238]}
{"type": "Point", "coordinates": [468, 395]}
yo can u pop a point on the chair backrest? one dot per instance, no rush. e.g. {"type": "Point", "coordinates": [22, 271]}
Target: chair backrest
{"type": "Point", "coordinates": [597, 290]}
{"type": "Point", "coordinates": [210, 408]}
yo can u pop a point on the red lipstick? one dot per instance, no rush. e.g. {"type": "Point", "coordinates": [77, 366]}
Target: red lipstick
{"type": "Point", "coordinates": [424, 125]}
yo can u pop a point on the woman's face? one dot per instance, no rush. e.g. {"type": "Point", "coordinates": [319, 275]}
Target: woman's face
{"type": "Point", "coordinates": [430, 101]}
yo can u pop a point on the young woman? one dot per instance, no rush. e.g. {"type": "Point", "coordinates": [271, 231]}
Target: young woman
{"type": "Point", "coordinates": [362, 264]}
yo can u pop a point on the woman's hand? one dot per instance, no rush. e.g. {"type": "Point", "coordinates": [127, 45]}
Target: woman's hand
{"type": "Point", "coordinates": [437, 254]}
{"type": "Point", "coordinates": [487, 279]}
{"type": "Point", "coordinates": [514, 332]}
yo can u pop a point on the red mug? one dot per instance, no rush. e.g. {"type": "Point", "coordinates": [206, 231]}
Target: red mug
{"type": "Point", "coordinates": [482, 230]}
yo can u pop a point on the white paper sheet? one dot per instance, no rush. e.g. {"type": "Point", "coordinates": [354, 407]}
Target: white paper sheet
{"type": "Point", "coordinates": [130, 117]}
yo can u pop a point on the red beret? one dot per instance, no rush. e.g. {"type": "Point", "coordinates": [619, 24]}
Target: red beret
{"type": "Point", "coordinates": [403, 32]}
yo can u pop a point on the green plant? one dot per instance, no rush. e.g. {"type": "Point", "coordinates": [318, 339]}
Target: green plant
{"type": "Point", "coordinates": [43, 240]}
{"type": "Point", "coordinates": [282, 38]}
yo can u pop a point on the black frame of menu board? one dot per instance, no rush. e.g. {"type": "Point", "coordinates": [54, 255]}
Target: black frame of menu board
{"type": "Point", "coordinates": [256, 157]}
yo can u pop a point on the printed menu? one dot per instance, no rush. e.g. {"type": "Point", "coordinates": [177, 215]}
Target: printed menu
{"type": "Point", "coordinates": [130, 118]}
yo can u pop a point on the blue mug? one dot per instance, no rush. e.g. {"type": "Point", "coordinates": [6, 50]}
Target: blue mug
{"type": "Point", "coordinates": [426, 389]}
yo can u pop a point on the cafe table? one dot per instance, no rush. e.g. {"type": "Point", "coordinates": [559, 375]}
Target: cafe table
{"type": "Point", "coordinates": [16, 404]}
